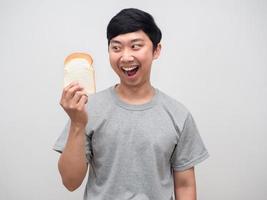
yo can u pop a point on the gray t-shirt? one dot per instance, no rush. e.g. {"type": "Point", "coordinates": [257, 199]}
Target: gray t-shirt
{"type": "Point", "coordinates": [132, 149]}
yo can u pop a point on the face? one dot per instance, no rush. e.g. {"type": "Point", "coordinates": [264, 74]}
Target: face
{"type": "Point", "coordinates": [131, 57]}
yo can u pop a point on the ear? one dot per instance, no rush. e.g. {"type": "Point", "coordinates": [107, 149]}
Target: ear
{"type": "Point", "coordinates": [156, 52]}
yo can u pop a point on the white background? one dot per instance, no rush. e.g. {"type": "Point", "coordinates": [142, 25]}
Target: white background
{"type": "Point", "coordinates": [214, 60]}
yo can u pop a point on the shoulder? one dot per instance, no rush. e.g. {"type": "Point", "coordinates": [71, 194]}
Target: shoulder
{"type": "Point", "coordinates": [99, 101]}
{"type": "Point", "coordinates": [100, 96]}
{"type": "Point", "coordinates": [172, 104]}
{"type": "Point", "coordinates": [176, 110]}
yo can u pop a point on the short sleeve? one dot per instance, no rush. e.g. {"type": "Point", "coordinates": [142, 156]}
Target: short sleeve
{"type": "Point", "coordinates": [62, 140]}
{"type": "Point", "coordinates": [190, 149]}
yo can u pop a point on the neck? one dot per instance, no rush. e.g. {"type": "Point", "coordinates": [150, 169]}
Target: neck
{"type": "Point", "coordinates": [135, 95]}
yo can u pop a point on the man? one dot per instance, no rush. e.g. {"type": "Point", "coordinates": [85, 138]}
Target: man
{"type": "Point", "coordinates": [139, 143]}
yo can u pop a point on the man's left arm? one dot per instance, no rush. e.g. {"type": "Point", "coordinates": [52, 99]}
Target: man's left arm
{"type": "Point", "coordinates": [185, 184]}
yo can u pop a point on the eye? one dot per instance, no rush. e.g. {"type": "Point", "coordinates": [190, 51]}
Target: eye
{"type": "Point", "coordinates": [136, 46]}
{"type": "Point", "coordinates": [115, 48]}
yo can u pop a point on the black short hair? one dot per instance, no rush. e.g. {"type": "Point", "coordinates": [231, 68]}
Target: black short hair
{"type": "Point", "coordinates": [131, 20]}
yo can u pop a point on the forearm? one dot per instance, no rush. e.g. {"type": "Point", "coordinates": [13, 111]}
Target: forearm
{"type": "Point", "coordinates": [72, 163]}
{"type": "Point", "coordinates": [185, 193]}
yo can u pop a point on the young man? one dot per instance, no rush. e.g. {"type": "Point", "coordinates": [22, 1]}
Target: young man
{"type": "Point", "coordinates": [139, 143]}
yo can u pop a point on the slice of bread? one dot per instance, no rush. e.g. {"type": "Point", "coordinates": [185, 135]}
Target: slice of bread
{"type": "Point", "coordinates": [78, 67]}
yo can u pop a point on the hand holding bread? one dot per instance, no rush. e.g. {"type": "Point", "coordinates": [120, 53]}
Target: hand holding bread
{"type": "Point", "coordinates": [73, 101]}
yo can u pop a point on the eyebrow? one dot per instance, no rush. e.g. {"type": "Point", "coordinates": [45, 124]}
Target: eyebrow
{"type": "Point", "coordinates": [137, 40]}
{"type": "Point", "coordinates": [134, 40]}
{"type": "Point", "coordinates": [115, 42]}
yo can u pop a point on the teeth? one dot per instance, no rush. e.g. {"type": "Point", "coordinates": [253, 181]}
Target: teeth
{"type": "Point", "coordinates": [129, 68]}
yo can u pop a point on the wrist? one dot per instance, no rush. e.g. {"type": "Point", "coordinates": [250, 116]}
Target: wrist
{"type": "Point", "coordinates": [76, 126]}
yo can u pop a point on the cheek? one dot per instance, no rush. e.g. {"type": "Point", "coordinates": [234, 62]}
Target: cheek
{"type": "Point", "coordinates": [112, 59]}
{"type": "Point", "coordinates": [145, 57]}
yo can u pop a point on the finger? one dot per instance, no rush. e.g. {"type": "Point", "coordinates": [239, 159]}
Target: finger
{"type": "Point", "coordinates": [71, 92]}
{"type": "Point", "coordinates": [71, 85]}
{"type": "Point", "coordinates": [67, 88]}
{"type": "Point", "coordinates": [82, 102]}
{"type": "Point", "coordinates": [77, 96]}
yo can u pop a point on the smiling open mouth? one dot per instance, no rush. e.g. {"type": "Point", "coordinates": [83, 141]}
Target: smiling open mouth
{"type": "Point", "coordinates": [130, 71]}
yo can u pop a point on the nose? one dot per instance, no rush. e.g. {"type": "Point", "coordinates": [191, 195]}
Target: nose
{"type": "Point", "coordinates": [126, 57]}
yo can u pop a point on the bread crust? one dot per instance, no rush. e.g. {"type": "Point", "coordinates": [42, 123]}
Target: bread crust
{"type": "Point", "coordinates": [79, 55]}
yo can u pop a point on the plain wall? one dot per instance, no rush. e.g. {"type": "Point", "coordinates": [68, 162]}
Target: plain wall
{"type": "Point", "coordinates": [213, 60]}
